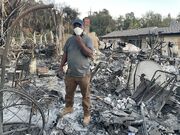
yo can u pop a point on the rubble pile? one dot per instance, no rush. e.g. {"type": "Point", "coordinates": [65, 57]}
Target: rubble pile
{"type": "Point", "coordinates": [115, 110]}
{"type": "Point", "coordinates": [149, 107]}
{"type": "Point", "coordinates": [123, 102]}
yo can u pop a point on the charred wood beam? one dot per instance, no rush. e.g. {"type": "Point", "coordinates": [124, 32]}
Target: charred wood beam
{"type": "Point", "coordinates": [170, 80]}
{"type": "Point", "coordinates": [53, 13]}
{"type": "Point", "coordinates": [11, 14]}
{"type": "Point", "coordinates": [18, 130]}
{"type": "Point", "coordinates": [28, 11]}
{"type": "Point", "coordinates": [166, 98]}
{"type": "Point", "coordinates": [102, 100]}
{"type": "Point", "coordinates": [95, 70]}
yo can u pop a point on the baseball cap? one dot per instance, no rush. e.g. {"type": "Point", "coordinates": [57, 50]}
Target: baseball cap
{"type": "Point", "coordinates": [79, 21]}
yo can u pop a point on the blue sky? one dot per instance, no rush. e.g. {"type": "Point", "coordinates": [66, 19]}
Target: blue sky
{"type": "Point", "coordinates": [121, 7]}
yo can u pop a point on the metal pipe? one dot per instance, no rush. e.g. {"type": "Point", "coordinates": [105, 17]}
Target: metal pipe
{"type": "Point", "coordinates": [143, 117]}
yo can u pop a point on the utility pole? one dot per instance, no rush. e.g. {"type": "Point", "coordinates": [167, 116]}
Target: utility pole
{"type": "Point", "coordinates": [90, 12]}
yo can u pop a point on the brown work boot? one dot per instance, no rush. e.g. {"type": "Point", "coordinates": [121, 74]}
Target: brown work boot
{"type": "Point", "coordinates": [86, 120]}
{"type": "Point", "coordinates": [66, 110]}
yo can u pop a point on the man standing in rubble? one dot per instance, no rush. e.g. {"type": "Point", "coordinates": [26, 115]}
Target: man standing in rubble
{"type": "Point", "coordinates": [78, 51]}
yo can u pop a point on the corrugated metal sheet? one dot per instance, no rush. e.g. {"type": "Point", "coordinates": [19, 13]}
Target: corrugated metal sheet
{"type": "Point", "coordinates": [145, 31]}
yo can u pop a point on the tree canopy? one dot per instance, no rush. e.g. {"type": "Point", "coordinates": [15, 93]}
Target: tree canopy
{"type": "Point", "coordinates": [101, 22]}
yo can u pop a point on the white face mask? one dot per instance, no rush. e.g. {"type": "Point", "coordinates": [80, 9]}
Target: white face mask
{"type": "Point", "coordinates": [78, 31]}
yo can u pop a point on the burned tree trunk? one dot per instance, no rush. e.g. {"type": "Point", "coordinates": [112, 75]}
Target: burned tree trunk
{"type": "Point", "coordinates": [7, 44]}
{"type": "Point", "coordinates": [1, 96]}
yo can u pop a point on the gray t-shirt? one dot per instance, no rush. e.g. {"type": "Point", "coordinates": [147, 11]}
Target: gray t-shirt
{"type": "Point", "coordinates": [78, 63]}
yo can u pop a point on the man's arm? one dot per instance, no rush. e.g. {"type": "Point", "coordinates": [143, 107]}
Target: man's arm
{"type": "Point", "coordinates": [63, 61]}
{"type": "Point", "coordinates": [86, 51]}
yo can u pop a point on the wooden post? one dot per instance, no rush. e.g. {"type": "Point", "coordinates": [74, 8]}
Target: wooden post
{"type": "Point", "coordinates": [60, 36]}
{"type": "Point", "coordinates": [52, 37]}
{"type": "Point", "coordinates": [34, 37]}
{"type": "Point", "coordinates": [22, 40]}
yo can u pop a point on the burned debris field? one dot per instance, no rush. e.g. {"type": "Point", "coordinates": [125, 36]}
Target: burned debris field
{"type": "Point", "coordinates": [135, 74]}
{"type": "Point", "coordinates": [129, 94]}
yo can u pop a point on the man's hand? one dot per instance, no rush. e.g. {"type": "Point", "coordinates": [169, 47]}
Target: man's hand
{"type": "Point", "coordinates": [79, 38]}
{"type": "Point", "coordinates": [85, 50]}
{"type": "Point", "coordinates": [60, 73]}
{"type": "Point", "coordinates": [63, 61]}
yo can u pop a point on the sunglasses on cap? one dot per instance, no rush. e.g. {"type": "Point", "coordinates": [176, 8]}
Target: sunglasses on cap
{"type": "Point", "coordinates": [77, 25]}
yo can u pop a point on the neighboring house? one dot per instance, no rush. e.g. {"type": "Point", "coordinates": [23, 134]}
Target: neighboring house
{"type": "Point", "coordinates": [139, 37]}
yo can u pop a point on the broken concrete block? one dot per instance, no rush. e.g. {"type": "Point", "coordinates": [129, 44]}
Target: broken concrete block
{"type": "Point", "coordinates": [135, 115]}
{"type": "Point", "coordinates": [123, 106]}
{"type": "Point", "coordinates": [57, 132]}
{"type": "Point", "coordinates": [154, 131]}
{"type": "Point", "coordinates": [120, 113]}
{"type": "Point", "coordinates": [107, 99]}
{"type": "Point", "coordinates": [131, 133]}
{"type": "Point", "coordinates": [131, 101]}
{"type": "Point", "coordinates": [124, 100]}
{"type": "Point", "coordinates": [119, 106]}
{"type": "Point", "coordinates": [132, 129]}
{"type": "Point", "coordinates": [42, 70]}
{"type": "Point", "coordinates": [119, 101]}
{"type": "Point", "coordinates": [129, 106]}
